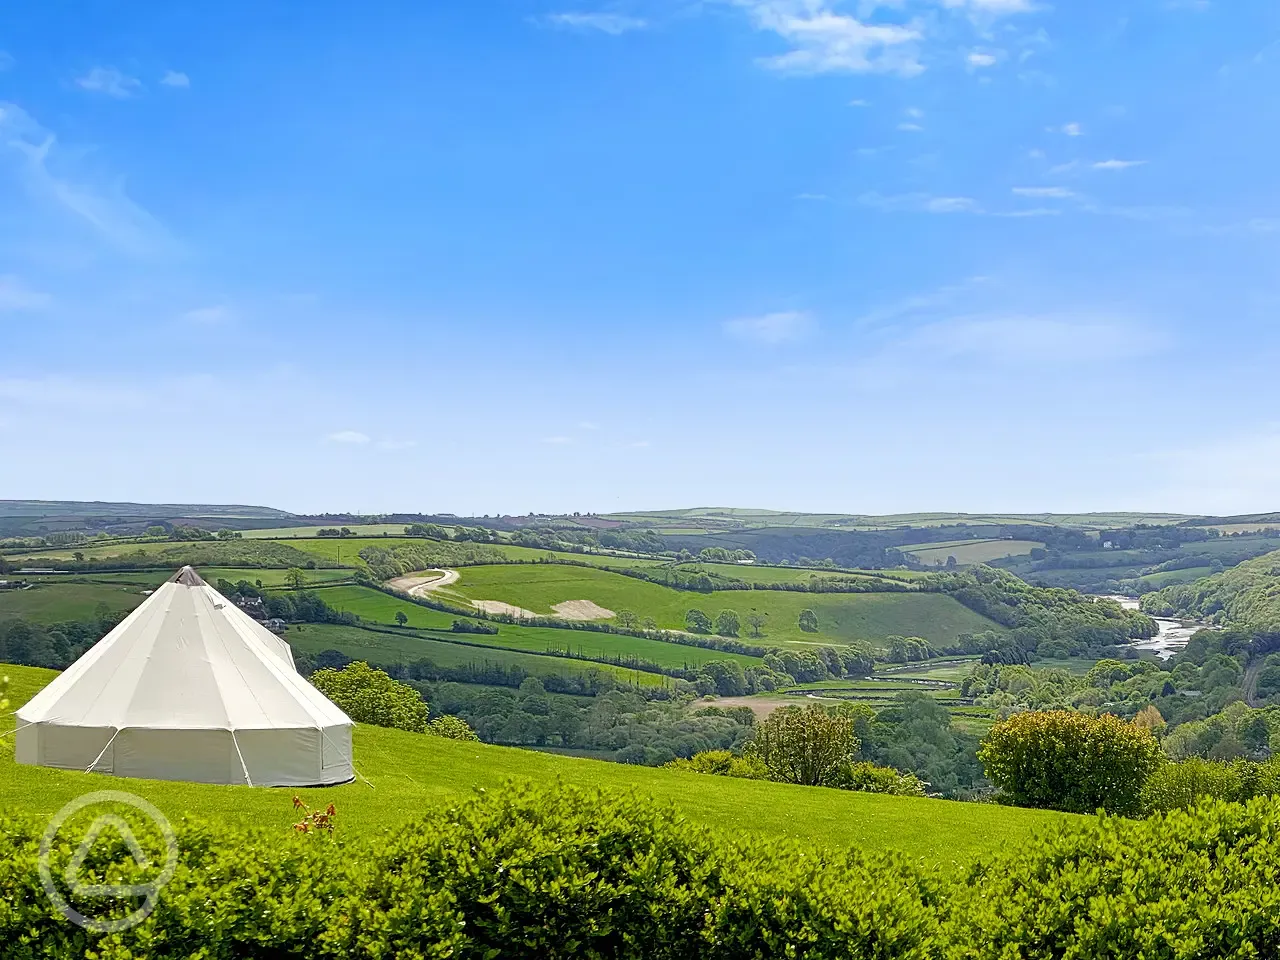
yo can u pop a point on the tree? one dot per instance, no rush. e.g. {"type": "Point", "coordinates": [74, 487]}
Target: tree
{"type": "Point", "coordinates": [295, 578]}
{"type": "Point", "coordinates": [1070, 761]}
{"type": "Point", "coordinates": [648, 623]}
{"type": "Point", "coordinates": [728, 624]}
{"type": "Point", "coordinates": [808, 746]}
{"type": "Point", "coordinates": [155, 530]}
{"type": "Point", "coordinates": [401, 617]}
{"type": "Point", "coordinates": [370, 696]}
{"type": "Point", "coordinates": [757, 620]}
{"type": "Point", "coordinates": [626, 619]}
{"type": "Point", "coordinates": [808, 621]}
{"type": "Point", "coordinates": [697, 621]}
{"type": "Point", "coordinates": [451, 728]}
{"type": "Point", "coordinates": [1150, 718]}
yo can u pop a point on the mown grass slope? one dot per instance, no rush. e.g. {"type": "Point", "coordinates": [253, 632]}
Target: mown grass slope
{"type": "Point", "coordinates": [841, 616]}
{"type": "Point", "coordinates": [411, 773]}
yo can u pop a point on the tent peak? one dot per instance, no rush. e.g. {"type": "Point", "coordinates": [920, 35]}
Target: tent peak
{"type": "Point", "coordinates": [188, 577]}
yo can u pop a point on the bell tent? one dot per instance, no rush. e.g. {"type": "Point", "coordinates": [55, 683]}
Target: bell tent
{"type": "Point", "coordinates": [188, 687]}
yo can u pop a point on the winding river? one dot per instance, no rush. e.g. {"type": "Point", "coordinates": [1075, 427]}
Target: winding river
{"type": "Point", "coordinates": [1173, 635]}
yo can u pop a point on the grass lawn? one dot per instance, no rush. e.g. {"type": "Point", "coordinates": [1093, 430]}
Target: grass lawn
{"type": "Point", "coordinates": [375, 606]}
{"type": "Point", "coordinates": [841, 616]}
{"type": "Point", "coordinates": [413, 773]}
{"type": "Point", "coordinates": [406, 647]}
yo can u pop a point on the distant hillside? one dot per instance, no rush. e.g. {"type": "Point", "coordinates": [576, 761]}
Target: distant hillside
{"type": "Point", "coordinates": [35, 518]}
{"type": "Point", "coordinates": [1247, 595]}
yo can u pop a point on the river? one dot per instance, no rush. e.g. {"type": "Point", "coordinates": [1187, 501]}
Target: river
{"type": "Point", "coordinates": [1173, 635]}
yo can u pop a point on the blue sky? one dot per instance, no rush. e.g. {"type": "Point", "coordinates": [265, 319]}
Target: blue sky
{"type": "Point", "coordinates": [514, 255]}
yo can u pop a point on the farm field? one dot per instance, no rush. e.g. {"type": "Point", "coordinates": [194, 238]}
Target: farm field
{"type": "Point", "coordinates": [272, 577]}
{"type": "Point", "coordinates": [360, 529]}
{"type": "Point", "coordinates": [375, 606]}
{"type": "Point", "coordinates": [760, 573]}
{"type": "Point", "coordinates": [411, 773]}
{"type": "Point", "coordinates": [841, 616]}
{"type": "Point", "coordinates": [970, 551]}
{"type": "Point", "coordinates": [55, 602]}
{"type": "Point", "coordinates": [1166, 577]}
{"type": "Point", "coordinates": [387, 648]}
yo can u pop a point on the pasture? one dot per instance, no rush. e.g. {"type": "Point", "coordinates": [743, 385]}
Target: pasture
{"type": "Point", "coordinates": [408, 773]}
{"type": "Point", "coordinates": [970, 551]}
{"type": "Point", "coordinates": [1166, 577]}
{"type": "Point", "coordinates": [56, 601]}
{"type": "Point", "coordinates": [760, 573]}
{"type": "Point", "coordinates": [377, 646]}
{"type": "Point", "coordinates": [841, 616]}
{"type": "Point", "coordinates": [377, 607]}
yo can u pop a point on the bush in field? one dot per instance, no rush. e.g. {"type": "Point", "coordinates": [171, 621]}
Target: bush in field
{"type": "Point", "coordinates": [451, 728]}
{"type": "Point", "coordinates": [697, 622]}
{"type": "Point", "coordinates": [370, 696]}
{"type": "Point", "coordinates": [1184, 784]}
{"type": "Point", "coordinates": [807, 746]}
{"type": "Point", "coordinates": [1070, 761]}
{"type": "Point", "coordinates": [723, 763]}
{"type": "Point", "coordinates": [868, 778]}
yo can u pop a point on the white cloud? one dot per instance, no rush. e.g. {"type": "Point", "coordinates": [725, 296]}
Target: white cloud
{"type": "Point", "coordinates": [811, 196]}
{"type": "Point", "coordinates": [105, 208]}
{"type": "Point", "coordinates": [1056, 193]}
{"type": "Point", "coordinates": [1117, 164]}
{"type": "Point", "coordinates": [981, 60]}
{"type": "Point", "coordinates": [1017, 339]}
{"type": "Point", "coordinates": [173, 78]}
{"type": "Point", "coordinates": [824, 41]}
{"type": "Point", "coordinates": [915, 113]}
{"type": "Point", "coordinates": [920, 203]}
{"type": "Point", "coordinates": [771, 328]}
{"type": "Point", "coordinates": [15, 295]}
{"type": "Point", "coordinates": [859, 103]}
{"type": "Point", "coordinates": [109, 81]}
{"type": "Point", "coordinates": [992, 7]}
{"type": "Point", "coordinates": [1072, 129]}
{"type": "Point", "coordinates": [610, 23]}
{"type": "Point", "coordinates": [348, 436]}
{"type": "Point", "coordinates": [207, 316]}
{"type": "Point", "coordinates": [910, 128]}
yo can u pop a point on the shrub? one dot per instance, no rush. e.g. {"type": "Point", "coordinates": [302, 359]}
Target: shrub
{"type": "Point", "coordinates": [807, 746]}
{"type": "Point", "coordinates": [370, 696]}
{"type": "Point", "coordinates": [451, 728]}
{"type": "Point", "coordinates": [723, 763]}
{"type": "Point", "coordinates": [1070, 761]}
{"type": "Point", "coordinates": [1184, 784]}
{"type": "Point", "coordinates": [868, 778]}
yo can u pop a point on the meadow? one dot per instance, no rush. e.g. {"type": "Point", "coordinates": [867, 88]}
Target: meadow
{"type": "Point", "coordinates": [56, 602]}
{"type": "Point", "coordinates": [377, 607]}
{"type": "Point", "coordinates": [970, 551]}
{"type": "Point", "coordinates": [760, 573]}
{"type": "Point", "coordinates": [409, 773]}
{"type": "Point", "coordinates": [841, 616]}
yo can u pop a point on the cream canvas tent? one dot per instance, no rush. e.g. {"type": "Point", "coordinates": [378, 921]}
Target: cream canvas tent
{"type": "Point", "coordinates": [188, 687]}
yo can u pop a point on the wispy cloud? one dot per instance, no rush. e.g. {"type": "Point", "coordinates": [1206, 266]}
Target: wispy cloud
{"type": "Point", "coordinates": [920, 203]}
{"type": "Point", "coordinates": [104, 208]}
{"type": "Point", "coordinates": [992, 7]}
{"type": "Point", "coordinates": [1022, 338]}
{"type": "Point", "coordinates": [979, 61]}
{"type": "Point", "coordinates": [174, 78]}
{"type": "Point", "coordinates": [910, 128]}
{"type": "Point", "coordinates": [859, 103]}
{"type": "Point", "coordinates": [613, 24]}
{"type": "Point", "coordinates": [109, 81]}
{"type": "Point", "coordinates": [15, 295]}
{"type": "Point", "coordinates": [825, 41]}
{"type": "Point", "coordinates": [1117, 164]}
{"type": "Point", "coordinates": [771, 328]}
{"type": "Point", "coordinates": [348, 436]}
{"type": "Point", "coordinates": [1072, 129]}
{"type": "Point", "coordinates": [812, 196]}
{"type": "Point", "coordinates": [1055, 193]}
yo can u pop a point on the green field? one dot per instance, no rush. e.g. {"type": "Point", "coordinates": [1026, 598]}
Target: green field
{"type": "Point", "coordinates": [388, 648]}
{"type": "Point", "coordinates": [55, 602]}
{"type": "Point", "coordinates": [970, 551]}
{"type": "Point", "coordinates": [1166, 577]}
{"type": "Point", "coordinates": [841, 616]}
{"type": "Point", "coordinates": [760, 573]}
{"type": "Point", "coordinates": [361, 529]}
{"type": "Point", "coordinates": [375, 606]}
{"type": "Point", "coordinates": [271, 577]}
{"type": "Point", "coordinates": [410, 773]}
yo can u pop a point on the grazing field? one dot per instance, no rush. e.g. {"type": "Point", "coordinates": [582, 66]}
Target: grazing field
{"type": "Point", "coordinates": [387, 648]}
{"type": "Point", "coordinates": [970, 551]}
{"type": "Point", "coordinates": [409, 773]}
{"type": "Point", "coordinates": [760, 573]}
{"type": "Point", "coordinates": [360, 529]}
{"type": "Point", "coordinates": [841, 616]}
{"type": "Point", "coordinates": [271, 577]}
{"type": "Point", "coordinates": [1166, 577]}
{"type": "Point", "coordinates": [375, 606]}
{"type": "Point", "coordinates": [55, 602]}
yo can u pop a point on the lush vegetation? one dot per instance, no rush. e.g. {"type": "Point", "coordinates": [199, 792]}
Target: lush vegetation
{"type": "Point", "coordinates": [1244, 596]}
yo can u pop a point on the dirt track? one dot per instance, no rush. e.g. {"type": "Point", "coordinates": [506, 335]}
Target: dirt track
{"type": "Point", "coordinates": [415, 585]}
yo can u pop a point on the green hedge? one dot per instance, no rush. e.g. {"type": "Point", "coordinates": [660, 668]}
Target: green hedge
{"type": "Point", "coordinates": [562, 873]}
